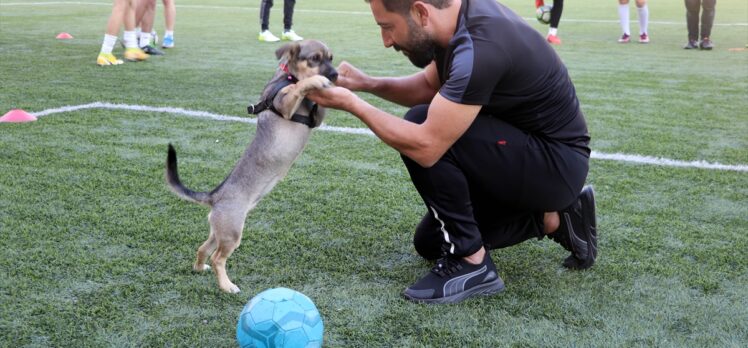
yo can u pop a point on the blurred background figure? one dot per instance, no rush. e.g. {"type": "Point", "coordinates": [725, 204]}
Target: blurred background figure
{"type": "Point", "coordinates": [123, 12]}
{"type": "Point", "coordinates": [170, 18]}
{"type": "Point", "coordinates": [707, 8]}
{"type": "Point", "coordinates": [556, 11]}
{"type": "Point", "coordinates": [623, 15]}
{"type": "Point", "coordinates": [288, 33]}
{"type": "Point", "coordinates": [145, 16]}
{"type": "Point", "coordinates": [147, 36]}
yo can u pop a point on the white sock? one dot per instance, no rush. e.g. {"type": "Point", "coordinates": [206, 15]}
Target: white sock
{"type": "Point", "coordinates": [643, 19]}
{"type": "Point", "coordinates": [130, 39]}
{"type": "Point", "coordinates": [108, 45]}
{"type": "Point", "coordinates": [145, 39]}
{"type": "Point", "coordinates": [169, 33]}
{"type": "Point", "coordinates": [623, 15]}
{"type": "Point", "coordinates": [553, 31]}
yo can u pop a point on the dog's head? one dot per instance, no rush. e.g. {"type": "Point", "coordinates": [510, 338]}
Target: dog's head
{"type": "Point", "coordinates": [307, 58]}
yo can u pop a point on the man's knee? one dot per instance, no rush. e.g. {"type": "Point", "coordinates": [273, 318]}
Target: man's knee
{"type": "Point", "coordinates": [417, 114]}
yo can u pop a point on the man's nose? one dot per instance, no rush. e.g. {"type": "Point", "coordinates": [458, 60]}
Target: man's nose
{"type": "Point", "coordinates": [387, 40]}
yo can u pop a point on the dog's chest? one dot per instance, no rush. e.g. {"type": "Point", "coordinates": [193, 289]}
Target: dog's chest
{"type": "Point", "coordinates": [279, 136]}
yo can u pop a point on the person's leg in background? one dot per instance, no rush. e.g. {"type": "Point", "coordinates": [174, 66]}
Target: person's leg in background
{"type": "Point", "coordinates": [692, 23]}
{"type": "Point", "coordinates": [643, 10]}
{"type": "Point", "coordinates": [116, 18]}
{"type": "Point", "coordinates": [123, 13]}
{"type": "Point", "coordinates": [288, 33]}
{"type": "Point", "coordinates": [132, 52]}
{"type": "Point", "coordinates": [624, 19]}
{"type": "Point", "coordinates": [145, 16]}
{"type": "Point", "coordinates": [265, 34]}
{"type": "Point", "coordinates": [170, 19]}
{"type": "Point", "coordinates": [556, 12]}
{"type": "Point", "coordinates": [707, 20]}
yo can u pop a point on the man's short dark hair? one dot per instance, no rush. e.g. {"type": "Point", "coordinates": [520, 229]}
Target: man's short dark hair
{"type": "Point", "coordinates": [403, 6]}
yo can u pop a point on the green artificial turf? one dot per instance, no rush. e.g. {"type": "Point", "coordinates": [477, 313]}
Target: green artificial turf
{"type": "Point", "coordinates": [95, 251]}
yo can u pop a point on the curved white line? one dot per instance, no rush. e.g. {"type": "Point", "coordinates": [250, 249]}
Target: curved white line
{"type": "Point", "coordinates": [621, 157]}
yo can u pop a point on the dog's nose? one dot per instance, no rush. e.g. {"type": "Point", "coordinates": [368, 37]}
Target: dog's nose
{"type": "Point", "coordinates": [333, 76]}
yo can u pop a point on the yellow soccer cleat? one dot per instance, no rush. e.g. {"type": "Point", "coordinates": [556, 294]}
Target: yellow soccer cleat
{"type": "Point", "coordinates": [135, 55]}
{"type": "Point", "coordinates": [105, 59]}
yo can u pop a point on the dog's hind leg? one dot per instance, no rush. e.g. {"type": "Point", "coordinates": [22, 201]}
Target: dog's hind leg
{"type": "Point", "coordinates": [227, 231]}
{"type": "Point", "coordinates": [203, 252]}
{"type": "Point", "coordinates": [224, 250]}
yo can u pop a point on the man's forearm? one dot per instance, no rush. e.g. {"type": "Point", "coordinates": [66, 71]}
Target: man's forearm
{"type": "Point", "coordinates": [406, 91]}
{"type": "Point", "coordinates": [404, 136]}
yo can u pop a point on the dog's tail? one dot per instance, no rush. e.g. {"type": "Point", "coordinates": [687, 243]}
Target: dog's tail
{"type": "Point", "coordinates": [172, 178]}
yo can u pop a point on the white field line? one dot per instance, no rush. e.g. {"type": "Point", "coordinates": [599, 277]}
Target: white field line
{"type": "Point", "coordinates": [620, 157]}
{"type": "Point", "coordinates": [357, 13]}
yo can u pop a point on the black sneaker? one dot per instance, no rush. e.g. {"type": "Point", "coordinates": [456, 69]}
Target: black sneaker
{"type": "Point", "coordinates": [152, 50]}
{"type": "Point", "coordinates": [578, 231]}
{"type": "Point", "coordinates": [453, 280]}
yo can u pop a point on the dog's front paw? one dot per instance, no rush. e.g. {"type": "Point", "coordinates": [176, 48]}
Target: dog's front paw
{"type": "Point", "coordinates": [315, 82]}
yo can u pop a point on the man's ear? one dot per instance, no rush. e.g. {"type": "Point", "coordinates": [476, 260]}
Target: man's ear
{"type": "Point", "coordinates": [291, 49]}
{"type": "Point", "coordinates": [420, 12]}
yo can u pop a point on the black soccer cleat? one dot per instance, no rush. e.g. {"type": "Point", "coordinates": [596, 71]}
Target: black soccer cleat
{"type": "Point", "coordinates": [578, 231]}
{"type": "Point", "coordinates": [453, 280]}
{"type": "Point", "coordinates": [152, 50]}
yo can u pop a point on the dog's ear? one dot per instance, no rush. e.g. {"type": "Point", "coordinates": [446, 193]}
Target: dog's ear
{"type": "Point", "coordinates": [291, 49]}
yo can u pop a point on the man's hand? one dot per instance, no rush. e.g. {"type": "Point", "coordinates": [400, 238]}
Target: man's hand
{"type": "Point", "coordinates": [334, 97]}
{"type": "Point", "coordinates": [351, 78]}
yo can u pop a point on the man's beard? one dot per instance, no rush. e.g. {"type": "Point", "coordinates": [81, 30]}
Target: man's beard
{"type": "Point", "coordinates": [420, 48]}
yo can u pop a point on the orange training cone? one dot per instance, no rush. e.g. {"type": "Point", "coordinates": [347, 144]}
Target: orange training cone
{"type": "Point", "coordinates": [64, 36]}
{"type": "Point", "coordinates": [17, 116]}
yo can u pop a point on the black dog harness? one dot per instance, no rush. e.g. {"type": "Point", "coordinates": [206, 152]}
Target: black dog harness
{"type": "Point", "coordinates": [267, 103]}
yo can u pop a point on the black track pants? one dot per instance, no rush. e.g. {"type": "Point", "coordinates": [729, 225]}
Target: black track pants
{"type": "Point", "coordinates": [556, 11]}
{"type": "Point", "coordinates": [492, 187]}
{"type": "Point", "coordinates": [265, 6]}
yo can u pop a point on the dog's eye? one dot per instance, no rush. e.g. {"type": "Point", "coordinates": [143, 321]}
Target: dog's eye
{"type": "Point", "coordinates": [314, 58]}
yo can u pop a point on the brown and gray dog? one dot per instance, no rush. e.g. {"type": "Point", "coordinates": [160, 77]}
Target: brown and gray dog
{"type": "Point", "coordinates": [284, 123]}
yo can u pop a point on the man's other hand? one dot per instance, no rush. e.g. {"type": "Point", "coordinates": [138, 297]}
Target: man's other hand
{"type": "Point", "coordinates": [351, 77]}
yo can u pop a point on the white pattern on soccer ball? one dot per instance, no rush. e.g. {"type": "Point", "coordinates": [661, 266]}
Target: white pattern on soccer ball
{"type": "Point", "coordinates": [543, 14]}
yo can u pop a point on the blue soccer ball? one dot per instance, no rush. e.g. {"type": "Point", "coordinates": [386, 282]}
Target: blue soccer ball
{"type": "Point", "coordinates": [279, 317]}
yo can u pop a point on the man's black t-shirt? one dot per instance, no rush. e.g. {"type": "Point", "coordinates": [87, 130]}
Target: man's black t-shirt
{"type": "Point", "coordinates": [497, 60]}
